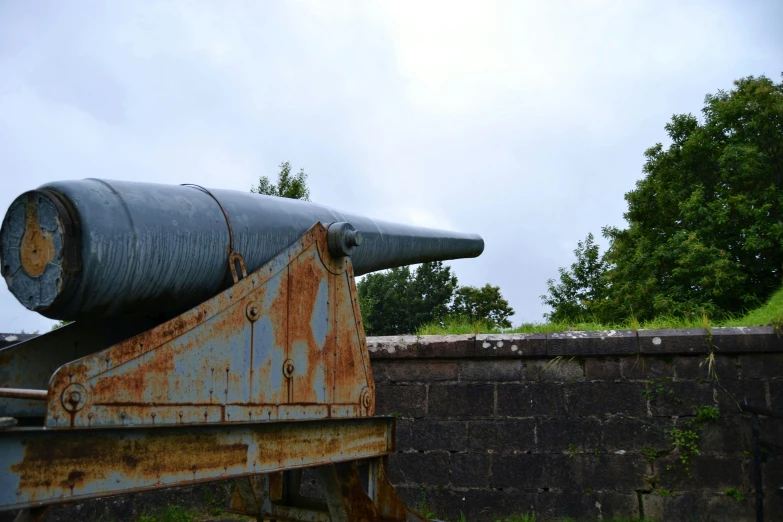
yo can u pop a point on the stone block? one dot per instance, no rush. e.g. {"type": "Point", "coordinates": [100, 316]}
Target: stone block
{"type": "Point", "coordinates": [697, 368]}
{"type": "Point", "coordinates": [772, 474]}
{"type": "Point", "coordinates": [524, 472]}
{"type": "Point", "coordinates": [706, 472]}
{"type": "Point", "coordinates": [776, 396]}
{"type": "Point", "coordinates": [608, 342]}
{"type": "Point", "coordinates": [422, 371]}
{"type": "Point", "coordinates": [602, 368]}
{"type": "Point", "coordinates": [771, 429]}
{"type": "Point", "coordinates": [696, 505]}
{"type": "Point", "coordinates": [403, 435]}
{"type": "Point", "coordinates": [746, 339]}
{"type": "Point", "coordinates": [445, 435]}
{"type": "Point", "coordinates": [426, 346]}
{"type": "Point", "coordinates": [685, 341]}
{"type": "Point", "coordinates": [407, 401]}
{"type": "Point", "coordinates": [478, 505]}
{"type": "Point", "coordinates": [461, 401]}
{"type": "Point", "coordinates": [609, 472]}
{"type": "Point", "coordinates": [429, 469]}
{"type": "Point", "coordinates": [601, 399]}
{"type": "Point", "coordinates": [510, 345]}
{"type": "Point", "coordinates": [378, 368]}
{"type": "Point", "coordinates": [450, 346]}
{"type": "Point", "coordinates": [506, 436]}
{"type": "Point", "coordinates": [632, 435]}
{"type": "Point", "coordinates": [515, 400]}
{"type": "Point", "coordinates": [392, 346]}
{"type": "Point", "coordinates": [564, 435]}
{"type": "Point", "coordinates": [586, 505]}
{"type": "Point", "coordinates": [733, 393]}
{"type": "Point", "coordinates": [761, 365]}
{"type": "Point", "coordinates": [469, 470]}
{"type": "Point", "coordinates": [647, 367]}
{"type": "Point", "coordinates": [524, 400]}
{"type": "Point", "coordinates": [678, 398]}
{"type": "Point", "coordinates": [727, 436]}
{"type": "Point", "coordinates": [308, 485]}
{"type": "Point", "coordinates": [491, 371]}
{"type": "Point", "coordinates": [564, 369]}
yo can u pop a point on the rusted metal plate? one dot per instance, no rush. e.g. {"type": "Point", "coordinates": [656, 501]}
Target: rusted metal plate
{"type": "Point", "coordinates": [31, 362]}
{"type": "Point", "coordinates": [284, 343]}
{"type": "Point", "coordinates": [50, 466]}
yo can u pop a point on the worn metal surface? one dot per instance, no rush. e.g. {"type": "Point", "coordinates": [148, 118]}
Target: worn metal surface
{"type": "Point", "coordinates": [286, 342]}
{"type": "Point", "coordinates": [109, 248]}
{"type": "Point", "coordinates": [50, 466]}
{"type": "Point", "coordinates": [348, 495]}
{"type": "Point", "coordinates": [31, 362]}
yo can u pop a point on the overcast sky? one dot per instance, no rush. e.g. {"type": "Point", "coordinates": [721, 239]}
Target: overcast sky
{"type": "Point", "coordinates": [525, 122]}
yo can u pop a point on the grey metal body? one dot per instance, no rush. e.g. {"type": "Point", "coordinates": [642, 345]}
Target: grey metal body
{"type": "Point", "coordinates": [119, 247]}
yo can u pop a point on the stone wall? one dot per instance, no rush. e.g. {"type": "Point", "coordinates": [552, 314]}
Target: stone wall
{"type": "Point", "coordinates": [580, 423]}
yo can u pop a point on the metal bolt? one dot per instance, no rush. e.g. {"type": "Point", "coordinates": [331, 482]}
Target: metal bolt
{"type": "Point", "coordinates": [75, 397]}
{"type": "Point", "coordinates": [253, 311]}
{"type": "Point", "coordinates": [353, 238]}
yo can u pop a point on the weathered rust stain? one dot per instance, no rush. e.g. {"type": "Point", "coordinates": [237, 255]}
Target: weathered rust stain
{"type": "Point", "coordinates": [37, 247]}
{"type": "Point", "coordinates": [306, 275]}
{"type": "Point", "coordinates": [73, 462]}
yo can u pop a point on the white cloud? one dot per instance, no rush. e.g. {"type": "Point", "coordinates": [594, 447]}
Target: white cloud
{"type": "Point", "coordinates": [522, 121]}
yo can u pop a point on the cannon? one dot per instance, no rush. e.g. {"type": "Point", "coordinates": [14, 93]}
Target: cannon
{"type": "Point", "coordinates": [217, 336]}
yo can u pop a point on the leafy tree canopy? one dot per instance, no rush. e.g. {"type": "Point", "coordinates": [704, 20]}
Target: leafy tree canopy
{"type": "Point", "coordinates": [704, 223]}
{"type": "Point", "coordinates": [399, 300]}
{"type": "Point", "coordinates": [581, 288]}
{"type": "Point", "coordinates": [293, 186]}
{"type": "Point", "coordinates": [482, 304]}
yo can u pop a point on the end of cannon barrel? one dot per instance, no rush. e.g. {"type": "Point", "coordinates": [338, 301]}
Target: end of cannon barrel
{"type": "Point", "coordinates": [36, 249]}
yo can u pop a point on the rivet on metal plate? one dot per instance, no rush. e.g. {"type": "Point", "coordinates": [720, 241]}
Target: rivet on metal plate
{"type": "Point", "coordinates": [253, 311]}
{"type": "Point", "coordinates": [366, 397]}
{"type": "Point", "coordinates": [74, 397]}
{"type": "Point", "coordinates": [288, 368]}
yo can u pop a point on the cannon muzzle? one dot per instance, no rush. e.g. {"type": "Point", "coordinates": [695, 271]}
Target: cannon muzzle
{"type": "Point", "coordinates": [96, 248]}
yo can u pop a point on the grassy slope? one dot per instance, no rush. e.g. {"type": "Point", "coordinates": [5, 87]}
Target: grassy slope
{"type": "Point", "coordinates": [770, 313]}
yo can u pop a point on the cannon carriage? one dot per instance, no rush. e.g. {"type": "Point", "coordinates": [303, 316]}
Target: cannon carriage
{"type": "Point", "coordinates": [217, 336]}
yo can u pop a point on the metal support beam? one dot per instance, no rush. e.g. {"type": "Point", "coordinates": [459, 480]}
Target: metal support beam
{"type": "Point", "coordinates": [41, 467]}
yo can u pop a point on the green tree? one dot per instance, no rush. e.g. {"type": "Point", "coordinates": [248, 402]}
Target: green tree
{"type": "Point", "coordinates": [399, 301]}
{"type": "Point", "coordinates": [293, 186]}
{"type": "Point", "coordinates": [705, 231]}
{"type": "Point", "coordinates": [581, 290]}
{"type": "Point", "coordinates": [431, 290]}
{"type": "Point", "coordinates": [482, 304]}
{"type": "Point", "coordinates": [383, 300]}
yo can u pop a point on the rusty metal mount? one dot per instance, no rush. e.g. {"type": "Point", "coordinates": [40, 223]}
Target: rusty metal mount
{"type": "Point", "coordinates": [284, 343]}
{"type": "Point", "coordinates": [347, 496]}
{"type": "Point", "coordinates": [53, 466]}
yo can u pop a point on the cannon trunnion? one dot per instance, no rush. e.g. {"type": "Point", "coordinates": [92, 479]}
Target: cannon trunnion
{"type": "Point", "coordinates": [267, 377]}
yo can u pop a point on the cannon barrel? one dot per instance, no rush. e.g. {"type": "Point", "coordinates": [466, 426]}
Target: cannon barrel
{"type": "Point", "coordinates": [97, 248]}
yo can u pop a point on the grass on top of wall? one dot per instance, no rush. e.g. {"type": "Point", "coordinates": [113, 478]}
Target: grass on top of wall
{"type": "Point", "coordinates": [769, 314]}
